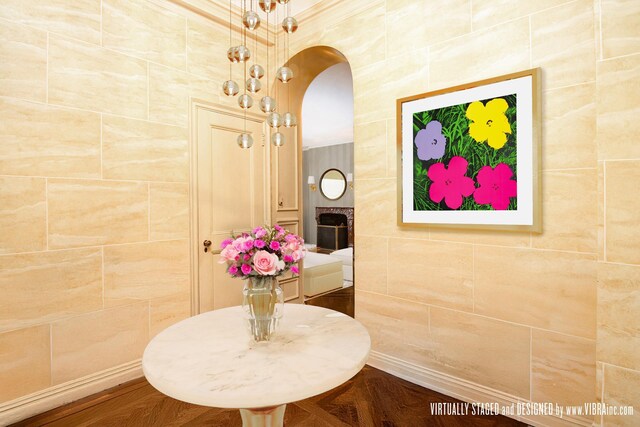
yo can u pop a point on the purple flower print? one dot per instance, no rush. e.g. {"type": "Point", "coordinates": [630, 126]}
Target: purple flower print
{"type": "Point", "coordinates": [430, 141]}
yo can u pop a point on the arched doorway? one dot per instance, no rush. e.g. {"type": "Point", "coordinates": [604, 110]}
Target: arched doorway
{"type": "Point", "coordinates": [323, 80]}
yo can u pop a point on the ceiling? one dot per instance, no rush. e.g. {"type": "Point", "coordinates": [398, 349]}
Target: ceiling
{"type": "Point", "coordinates": [298, 6]}
{"type": "Point", "coordinates": [327, 108]}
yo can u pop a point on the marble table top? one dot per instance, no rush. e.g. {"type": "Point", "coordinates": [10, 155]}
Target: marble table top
{"type": "Point", "coordinates": [211, 360]}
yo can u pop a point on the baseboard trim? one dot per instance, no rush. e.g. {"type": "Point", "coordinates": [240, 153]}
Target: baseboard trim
{"type": "Point", "coordinates": [53, 397]}
{"type": "Point", "coordinates": [467, 391]}
{"type": "Point", "coordinates": [464, 390]}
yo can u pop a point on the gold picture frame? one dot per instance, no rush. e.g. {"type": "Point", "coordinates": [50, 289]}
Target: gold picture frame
{"type": "Point", "coordinates": [469, 155]}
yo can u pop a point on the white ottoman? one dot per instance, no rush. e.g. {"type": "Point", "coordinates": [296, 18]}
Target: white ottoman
{"type": "Point", "coordinates": [322, 273]}
{"type": "Point", "coordinates": [346, 257]}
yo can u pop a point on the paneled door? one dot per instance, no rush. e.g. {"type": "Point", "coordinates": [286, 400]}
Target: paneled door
{"type": "Point", "coordinates": [232, 193]}
{"type": "Point", "coordinates": [286, 196]}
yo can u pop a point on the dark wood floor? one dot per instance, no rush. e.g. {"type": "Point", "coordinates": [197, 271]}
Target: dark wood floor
{"type": "Point", "coordinates": [341, 300]}
{"type": "Point", "coordinates": [371, 398]}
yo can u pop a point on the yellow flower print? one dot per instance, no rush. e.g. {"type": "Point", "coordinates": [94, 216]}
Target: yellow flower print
{"type": "Point", "coordinates": [489, 122]}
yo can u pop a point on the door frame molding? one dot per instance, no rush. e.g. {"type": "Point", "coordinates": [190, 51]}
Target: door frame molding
{"type": "Point", "coordinates": [194, 244]}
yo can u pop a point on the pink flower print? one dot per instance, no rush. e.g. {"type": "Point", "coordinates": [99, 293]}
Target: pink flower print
{"type": "Point", "coordinates": [430, 141]}
{"type": "Point", "coordinates": [450, 183]}
{"type": "Point", "coordinates": [496, 187]}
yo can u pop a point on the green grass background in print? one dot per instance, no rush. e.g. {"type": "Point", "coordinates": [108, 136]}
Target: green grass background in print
{"type": "Point", "coordinates": [455, 128]}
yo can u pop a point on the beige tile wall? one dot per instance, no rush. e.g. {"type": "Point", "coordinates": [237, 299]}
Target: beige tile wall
{"type": "Point", "coordinates": [548, 306]}
{"type": "Point", "coordinates": [93, 167]}
{"type": "Point", "coordinates": [94, 180]}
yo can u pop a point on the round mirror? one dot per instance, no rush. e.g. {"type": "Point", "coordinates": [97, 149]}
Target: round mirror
{"type": "Point", "coordinates": [333, 184]}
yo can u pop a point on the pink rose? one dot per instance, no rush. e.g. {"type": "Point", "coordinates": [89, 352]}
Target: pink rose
{"type": "Point", "coordinates": [233, 270]}
{"type": "Point", "coordinates": [229, 253]}
{"type": "Point", "coordinates": [246, 269]}
{"type": "Point", "coordinates": [243, 244]}
{"type": "Point", "coordinates": [292, 247]}
{"type": "Point", "coordinates": [297, 255]}
{"type": "Point", "coordinates": [265, 263]}
{"type": "Point", "coordinates": [274, 245]}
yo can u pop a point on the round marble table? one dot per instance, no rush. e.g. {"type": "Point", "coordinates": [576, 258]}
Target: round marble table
{"type": "Point", "coordinates": [211, 360]}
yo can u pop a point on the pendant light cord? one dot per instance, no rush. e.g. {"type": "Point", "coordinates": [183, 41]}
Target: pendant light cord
{"type": "Point", "coordinates": [255, 58]}
{"type": "Point", "coordinates": [243, 36]}
{"type": "Point", "coordinates": [268, 82]}
{"type": "Point", "coordinates": [276, 86]}
{"type": "Point", "coordinates": [230, 42]}
{"type": "Point", "coordinates": [287, 56]}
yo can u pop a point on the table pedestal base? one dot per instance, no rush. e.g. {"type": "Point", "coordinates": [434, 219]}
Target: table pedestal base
{"type": "Point", "coordinates": [265, 417]}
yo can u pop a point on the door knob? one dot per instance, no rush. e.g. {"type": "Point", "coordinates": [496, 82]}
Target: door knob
{"type": "Point", "coordinates": [206, 244]}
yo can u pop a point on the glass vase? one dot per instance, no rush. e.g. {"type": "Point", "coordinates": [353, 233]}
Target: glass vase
{"type": "Point", "coordinates": [263, 304]}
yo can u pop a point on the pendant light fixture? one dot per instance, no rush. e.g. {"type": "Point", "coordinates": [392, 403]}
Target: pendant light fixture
{"type": "Point", "coordinates": [289, 25]}
{"type": "Point", "coordinates": [230, 87]}
{"type": "Point", "coordinates": [252, 74]}
{"type": "Point", "coordinates": [251, 20]}
{"type": "Point", "coordinates": [245, 140]}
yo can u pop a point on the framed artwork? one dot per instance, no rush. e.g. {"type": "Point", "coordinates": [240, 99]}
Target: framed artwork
{"type": "Point", "coordinates": [469, 156]}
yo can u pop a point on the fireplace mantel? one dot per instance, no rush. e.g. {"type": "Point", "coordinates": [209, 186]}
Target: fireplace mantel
{"type": "Point", "coordinates": [348, 212]}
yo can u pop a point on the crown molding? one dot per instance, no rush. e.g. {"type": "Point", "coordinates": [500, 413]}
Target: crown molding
{"type": "Point", "coordinates": [218, 12]}
{"type": "Point", "coordinates": [338, 8]}
{"type": "Point", "coordinates": [318, 9]}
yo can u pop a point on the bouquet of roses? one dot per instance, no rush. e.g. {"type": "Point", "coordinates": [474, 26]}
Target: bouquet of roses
{"type": "Point", "coordinates": [266, 251]}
